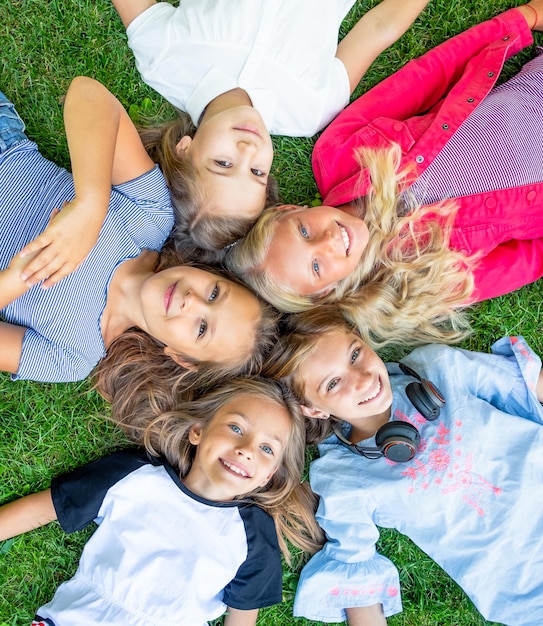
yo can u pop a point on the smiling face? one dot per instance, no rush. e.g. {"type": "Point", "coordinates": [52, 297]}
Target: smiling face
{"type": "Point", "coordinates": [199, 314]}
{"type": "Point", "coordinates": [313, 248]}
{"type": "Point", "coordinates": [345, 378]}
{"type": "Point", "coordinates": [232, 153]}
{"type": "Point", "coordinates": [240, 448]}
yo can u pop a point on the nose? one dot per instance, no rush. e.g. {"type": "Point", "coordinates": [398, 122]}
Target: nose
{"type": "Point", "coordinates": [360, 381]}
{"type": "Point", "coordinates": [329, 242]}
{"type": "Point", "coordinates": [190, 301]}
{"type": "Point", "coordinates": [247, 148]}
{"type": "Point", "coordinates": [245, 449]}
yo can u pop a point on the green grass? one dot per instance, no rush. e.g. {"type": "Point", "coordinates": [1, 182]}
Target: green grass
{"type": "Point", "coordinates": [46, 429]}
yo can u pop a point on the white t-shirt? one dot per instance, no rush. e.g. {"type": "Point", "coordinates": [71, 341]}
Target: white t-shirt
{"type": "Point", "coordinates": [281, 52]}
{"type": "Point", "coordinates": [161, 554]}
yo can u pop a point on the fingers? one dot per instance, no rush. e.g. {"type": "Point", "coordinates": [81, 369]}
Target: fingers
{"type": "Point", "coordinates": [46, 267]}
{"type": "Point", "coordinates": [40, 243]}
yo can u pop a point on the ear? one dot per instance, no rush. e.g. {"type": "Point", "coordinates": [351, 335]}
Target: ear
{"type": "Point", "coordinates": [310, 411]}
{"type": "Point", "coordinates": [180, 359]}
{"type": "Point", "coordinates": [195, 434]}
{"type": "Point", "coordinates": [183, 145]}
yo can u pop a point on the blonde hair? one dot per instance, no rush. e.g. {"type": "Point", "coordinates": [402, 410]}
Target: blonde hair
{"type": "Point", "coordinates": [136, 376]}
{"type": "Point", "coordinates": [408, 287]}
{"type": "Point", "coordinates": [195, 230]}
{"type": "Point", "coordinates": [290, 502]}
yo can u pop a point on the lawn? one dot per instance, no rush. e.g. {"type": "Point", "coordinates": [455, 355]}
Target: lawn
{"type": "Point", "coordinates": [47, 429]}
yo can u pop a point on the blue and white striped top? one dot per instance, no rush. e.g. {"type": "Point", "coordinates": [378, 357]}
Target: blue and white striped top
{"type": "Point", "coordinates": [64, 341]}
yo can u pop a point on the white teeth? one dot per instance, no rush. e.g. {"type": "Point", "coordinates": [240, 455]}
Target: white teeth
{"type": "Point", "coordinates": [235, 469]}
{"type": "Point", "coordinates": [346, 240]}
{"type": "Point", "coordinates": [370, 397]}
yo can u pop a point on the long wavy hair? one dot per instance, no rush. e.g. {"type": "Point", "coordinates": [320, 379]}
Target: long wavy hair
{"type": "Point", "coordinates": [290, 502]}
{"type": "Point", "coordinates": [136, 376]}
{"type": "Point", "coordinates": [195, 230]}
{"type": "Point", "coordinates": [409, 286]}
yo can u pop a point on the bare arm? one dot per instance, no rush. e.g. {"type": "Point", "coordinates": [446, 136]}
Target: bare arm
{"type": "Point", "coordinates": [377, 30]}
{"type": "Point", "coordinates": [128, 10]}
{"type": "Point", "coordinates": [534, 15]}
{"type": "Point", "coordinates": [25, 514]}
{"type": "Point", "coordinates": [105, 149]}
{"type": "Point", "coordinates": [235, 617]}
{"type": "Point", "coordinates": [366, 616]}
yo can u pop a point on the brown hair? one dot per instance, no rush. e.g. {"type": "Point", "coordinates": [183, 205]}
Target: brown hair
{"type": "Point", "coordinates": [136, 376]}
{"type": "Point", "coordinates": [290, 502]}
{"type": "Point", "coordinates": [195, 230]}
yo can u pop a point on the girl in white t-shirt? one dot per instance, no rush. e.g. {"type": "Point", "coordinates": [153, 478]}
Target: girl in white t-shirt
{"type": "Point", "coordinates": [183, 537]}
{"type": "Point", "coordinates": [241, 71]}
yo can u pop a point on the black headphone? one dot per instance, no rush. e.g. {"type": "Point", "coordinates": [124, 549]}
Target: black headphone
{"type": "Point", "coordinates": [399, 441]}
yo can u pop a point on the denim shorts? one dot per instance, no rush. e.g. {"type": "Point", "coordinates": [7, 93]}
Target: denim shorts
{"type": "Point", "coordinates": [11, 125]}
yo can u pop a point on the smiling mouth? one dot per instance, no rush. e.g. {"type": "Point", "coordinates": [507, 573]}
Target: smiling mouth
{"type": "Point", "coordinates": [235, 469]}
{"type": "Point", "coordinates": [373, 393]}
{"type": "Point", "coordinates": [346, 239]}
{"type": "Point", "coordinates": [168, 296]}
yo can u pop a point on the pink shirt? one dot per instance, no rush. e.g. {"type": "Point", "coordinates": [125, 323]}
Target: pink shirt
{"type": "Point", "coordinates": [447, 83]}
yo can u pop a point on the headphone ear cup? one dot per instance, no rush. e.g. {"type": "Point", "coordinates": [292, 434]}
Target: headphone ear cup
{"type": "Point", "coordinates": [398, 441]}
{"type": "Point", "coordinates": [427, 405]}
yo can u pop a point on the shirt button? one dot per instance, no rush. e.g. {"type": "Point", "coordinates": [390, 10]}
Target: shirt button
{"type": "Point", "coordinates": [490, 74]}
{"type": "Point", "coordinates": [471, 99]}
{"type": "Point", "coordinates": [419, 158]}
{"type": "Point", "coordinates": [398, 127]}
{"type": "Point", "coordinates": [506, 37]}
{"type": "Point", "coordinates": [490, 203]}
{"type": "Point", "coordinates": [445, 127]}
{"type": "Point", "coordinates": [531, 195]}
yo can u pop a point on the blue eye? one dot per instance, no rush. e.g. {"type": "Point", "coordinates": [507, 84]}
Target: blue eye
{"type": "Point", "coordinates": [303, 231]}
{"type": "Point", "coordinates": [223, 163]}
{"type": "Point", "coordinates": [214, 293]}
{"type": "Point", "coordinates": [235, 428]}
{"type": "Point", "coordinates": [257, 172]}
{"type": "Point", "coordinates": [354, 355]}
{"type": "Point", "coordinates": [266, 449]}
{"type": "Point", "coordinates": [202, 330]}
{"type": "Point", "coordinates": [332, 384]}
{"type": "Point", "coordinates": [316, 268]}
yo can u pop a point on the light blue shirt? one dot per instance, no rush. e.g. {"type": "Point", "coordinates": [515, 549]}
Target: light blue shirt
{"type": "Point", "coordinates": [471, 498]}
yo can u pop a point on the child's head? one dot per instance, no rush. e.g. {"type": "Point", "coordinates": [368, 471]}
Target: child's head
{"type": "Point", "coordinates": [241, 436]}
{"type": "Point", "coordinates": [243, 439]}
{"type": "Point", "coordinates": [200, 343]}
{"type": "Point", "coordinates": [408, 285]}
{"type": "Point", "coordinates": [294, 256]}
{"type": "Point", "coordinates": [218, 175]}
{"type": "Point", "coordinates": [330, 369]}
